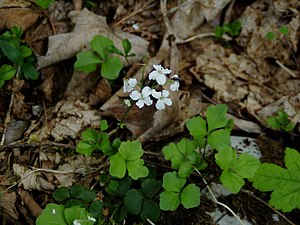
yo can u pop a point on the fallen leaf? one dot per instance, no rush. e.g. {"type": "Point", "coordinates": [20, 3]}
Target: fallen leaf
{"type": "Point", "coordinates": [87, 25]}
{"type": "Point", "coordinates": [7, 204]}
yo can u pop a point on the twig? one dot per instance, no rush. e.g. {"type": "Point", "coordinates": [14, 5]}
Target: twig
{"type": "Point", "coordinates": [45, 144]}
{"type": "Point", "coordinates": [285, 68]}
{"type": "Point", "coordinates": [216, 200]}
{"type": "Point", "coordinates": [7, 118]}
{"type": "Point", "coordinates": [149, 221]}
{"type": "Point", "coordinates": [266, 204]}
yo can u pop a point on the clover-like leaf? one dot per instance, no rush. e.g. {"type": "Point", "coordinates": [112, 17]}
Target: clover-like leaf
{"type": "Point", "coordinates": [219, 138]}
{"type": "Point", "coordinates": [169, 200]}
{"type": "Point", "coordinates": [172, 182]}
{"type": "Point", "coordinates": [235, 169]}
{"type": "Point", "coordinates": [197, 127]}
{"type": "Point", "coordinates": [285, 183]}
{"type": "Point", "coordinates": [136, 169]}
{"type": "Point", "coordinates": [150, 210]}
{"type": "Point", "coordinates": [61, 194]}
{"type": "Point", "coordinates": [111, 68]}
{"type": "Point", "coordinates": [133, 201]}
{"type": "Point", "coordinates": [117, 166]}
{"type": "Point", "coordinates": [53, 214]}
{"type": "Point", "coordinates": [77, 213]}
{"type": "Point", "coordinates": [190, 196]}
{"type": "Point", "coordinates": [216, 117]}
{"type": "Point", "coordinates": [86, 61]}
{"type": "Point", "coordinates": [102, 46]}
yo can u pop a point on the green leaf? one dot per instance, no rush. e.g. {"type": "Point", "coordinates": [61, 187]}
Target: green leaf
{"type": "Point", "coordinates": [136, 169]}
{"type": "Point", "coordinates": [284, 30]}
{"type": "Point", "coordinates": [25, 51]}
{"type": "Point", "coordinates": [103, 125]}
{"type": "Point", "coordinates": [131, 150]}
{"type": "Point", "coordinates": [236, 27]}
{"type": "Point", "coordinates": [77, 213]}
{"type": "Point", "coordinates": [96, 208]}
{"type": "Point", "coordinates": [11, 52]}
{"type": "Point", "coordinates": [126, 46]}
{"type": "Point", "coordinates": [151, 187]}
{"type": "Point", "coordinates": [76, 190]}
{"type": "Point", "coordinates": [73, 202]}
{"type": "Point", "coordinates": [285, 183]}
{"type": "Point", "coordinates": [190, 196]}
{"type": "Point", "coordinates": [102, 46]}
{"type": "Point", "coordinates": [270, 36]}
{"type": "Point", "coordinates": [219, 139]}
{"type": "Point", "coordinates": [169, 200]}
{"type": "Point", "coordinates": [185, 169]}
{"type": "Point", "coordinates": [171, 182]}
{"type": "Point", "coordinates": [273, 122]}
{"type": "Point", "coordinates": [197, 127]}
{"type": "Point", "coordinates": [111, 68]}
{"type": "Point", "coordinates": [61, 194]}
{"type": "Point", "coordinates": [7, 72]}
{"type": "Point", "coordinates": [133, 201]}
{"type": "Point", "coordinates": [44, 4]}
{"type": "Point", "coordinates": [117, 166]}
{"type": "Point", "coordinates": [88, 195]}
{"type": "Point", "coordinates": [53, 214]}
{"type": "Point", "coordinates": [232, 181]}
{"type": "Point", "coordinates": [29, 71]}
{"type": "Point", "coordinates": [216, 117]}
{"type": "Point", "coordinates": [86, 61]}
{"type": "Point", "coordinates": [150, 210]}
{"type": "Point", "coordinates": [119, 188]}
{"type": "Point", "coordinates": [235, 169]}
{"type": "Point", "coordinates": [219, 31]}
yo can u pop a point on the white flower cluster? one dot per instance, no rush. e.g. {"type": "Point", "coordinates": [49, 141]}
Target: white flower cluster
{"type": "Point", "coordinates": [143, 97]}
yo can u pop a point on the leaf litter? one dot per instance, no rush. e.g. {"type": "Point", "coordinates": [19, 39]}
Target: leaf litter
{"type": "Point", "coordinates": [260, 77]}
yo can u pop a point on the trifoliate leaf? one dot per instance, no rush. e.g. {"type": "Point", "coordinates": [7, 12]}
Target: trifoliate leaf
{"type": "Point", "coordinates": [285, 183]}
{"type": "Point", "coordinates": [77, 213]}
{"type": "Point", "coordinates": [133, 201]}
{"type": "Point", "coordinates": [111, 68]}
{"type": "Point", "coordinates": [235, 169]}
{"type": "Point", "coordinates": [86, 61]}
{"type": "Point", "coordinates": [131, 150]}
{"type": "Point", "coordinates": [96, 208]}
{"type": "Point", "coordinates": [150, 187]}
{"type": "Point", "coordinates": [216, 117]}
{"type": "Point", "coordinates": [53, 214]}
{"type": "Point", "coordinates": [190, 196]}
{"type": "Point", "coordinates": [171, 182]}
{"type": "Point", "coordinates": [169, 200]}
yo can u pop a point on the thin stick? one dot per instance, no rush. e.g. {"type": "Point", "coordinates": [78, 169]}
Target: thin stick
{"type": "Point", "coordinates": [266, 204]}
{"type": "Point", "coordinates": [216, 200]}
{"type": "Point", "coordinates": [7, 118]}
{"type": "Point", "coordinates": [285, 68]}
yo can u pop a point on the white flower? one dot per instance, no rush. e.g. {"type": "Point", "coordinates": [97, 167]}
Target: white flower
{"type": "Point", "coordinates": [142, 98]}
{"type": "Point", "coordinates": [175, 83]}
{"type": "Point", "coordinates": [159, 74]}
{"type": "Point", "coordinates": [129, 84]}
{"type": "Point", "coordinates": [162, 99]}
{"type": "Point", "coordinates": [53, 211]}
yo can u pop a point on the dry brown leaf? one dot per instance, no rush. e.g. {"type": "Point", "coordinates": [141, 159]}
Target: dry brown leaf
{"type": "Point", "coordinates": [71, 118]}
{"type": "Point", "coordinates": [87, 25]}
{"type": "Point", "coordinates": [22, 17]}
{"type": "Point", "coordinates": [7, 204]}
{"type": "Point", "coordinates": [30, 203]}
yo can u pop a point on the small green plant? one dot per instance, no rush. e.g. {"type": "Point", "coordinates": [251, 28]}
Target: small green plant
{"type": "Point", "coordinates": [283, 30]}
{"type": "Point", "coordinates": [233, 29]}
{"type": "Point", "coordinates": [284, 183]}
{"type": "Point", "coordinates": [235, 168]}
{"type": "Point", "coordinates": [44, 4]}
{"type": "Point", "coordinates": [101, 53]}
{"type": "Point", "coordinates": [77, 204]}
{"type": "Point", "coordinates": [281, 122]}
{"type": "Point", "coordinates": [177, 193]}
{"type": "Point", "coordinates": [128, 159]}
{"type": "Point", "coordinates": [15, 57]}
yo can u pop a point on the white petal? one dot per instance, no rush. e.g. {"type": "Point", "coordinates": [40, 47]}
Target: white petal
{"type": "Point", "coordinates": [132, 82]}
{"type": "Point", "coordinates": [157, 67]}
{"type": "Point", "coordinates": [153, 75]}
{"type": "Point", "coordinates": [156, 94]}
{"type": "Point", "coordinates": [160, 105]}
{"type": "Point", "coordinates": [175, 76]}
{"type": "Point", "coordinates": [166, 71]}
{"type": "Point", "coordinates": [140, 103]}
{"type": "Point", "coordinates": [174, 86]}
{"type": "Point", "coordinates": [148, 101]}
{"type": "Point", "coordinates": [146, 91]}
{"type": "Point", "coordinates": [135, 95]}
{"type": "Point", "coordinates": [165, 93]}
{"type": "Point", "coordinates": [161, 79]}
{"type": "Point", "coordinates": [168, 101]}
